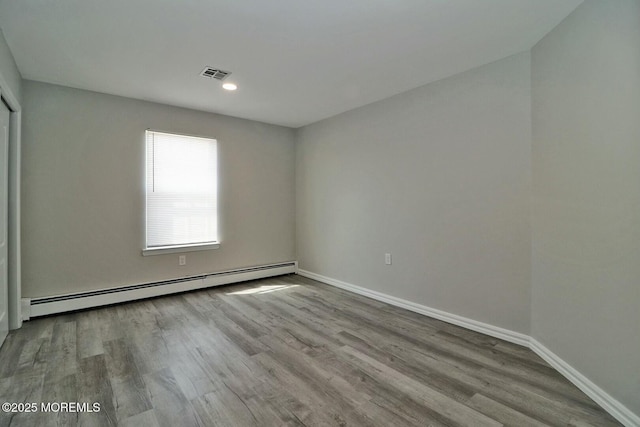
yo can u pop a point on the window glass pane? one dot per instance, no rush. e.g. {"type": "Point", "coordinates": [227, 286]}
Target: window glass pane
{"type": "Point", "coordinates": [181, 190]}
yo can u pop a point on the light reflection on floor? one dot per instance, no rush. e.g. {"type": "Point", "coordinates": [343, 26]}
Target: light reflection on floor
{"type": "Point", "coordinates": [264, 289]}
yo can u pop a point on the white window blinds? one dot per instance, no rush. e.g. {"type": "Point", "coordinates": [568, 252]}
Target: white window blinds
{"type": "Point", "coordinates": [182, 184]}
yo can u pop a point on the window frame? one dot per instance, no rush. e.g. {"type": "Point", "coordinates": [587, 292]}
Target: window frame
{"type": "Point", "coordinates": [178, 248]}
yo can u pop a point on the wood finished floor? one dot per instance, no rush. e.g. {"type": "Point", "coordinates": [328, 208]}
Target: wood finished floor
{"type": "Point", "coordinates": [276, 352]}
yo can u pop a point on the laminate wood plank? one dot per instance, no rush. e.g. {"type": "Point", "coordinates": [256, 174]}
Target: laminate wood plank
{"type": "Point", "coordinates": [144, 419]}
{"type": "Point", "coordinates": [241, 318]}
{"type": "Point", "coordinates": [62, 351]}
{"type": "Point", "coordinates": [150, 350]}
{"type": "Point", "coordinates": [237, 334]}
{"type": "Point", "coordinates": [120, 361]}
{"type": "Point", "coordinates": [458, 354]}
{"type": "Point", "coordinates": [388, 415]}
{"type": "Point", "coordinates": [580, 423]}
{"type": "Point", "coordinates": [265, 316]}
{"type": "Point", "coordinates": [138, 315]}
{"type": "Point", "coordinates": [470, 377]}
{"type": "Point", "coordinates": [480, 380]}
{"type": "Point", "coordinates": [536, 374]}
{"type": "Point", "coordinates": [130, 397]}
{"type": "Point", "coordinates": [109, 325]}
{"type": "Point", "coordinates": [37, 335]}
{"type": "Point", "coordinates": [58, 388]}
{"type": "Point", "coordinates": [12, 350]}
{"type": "Point", "coordinates": [94, 386]}
{"type": "Point", "coordinates": [318, 289]}
{"type": "Point", "coordinates": [170, 406]}
{"type": "Point", "coordinates": [549, 388]}
{"type": "Point", "coordinates": [310, 333]}
{"type": "Point", "coordinates": [88, 337]}
{"type": "Point", "coordinates": [421, 346]}
{"type": "Point", "coordinates": [225, 408]}
{"type": "Point", "coordinates": [314, 374]}
{"type": "Point", "coordinates": [236, 372]}
{"type": "Point", "coordinates": [435, 378]}
{"type": "Point", "coordinates": [541, 404]}
{"type": "Point", "coordinates": [507, 416]}
{"type": "Point", "coordinates": [446, 406]}
{"type": "Point", "coordinates": [384, 395]}
{"type": "Point", "coordinates": [24, 387]}
{"type": "Point", "coordinates": [283, 306]}
{"type": "Point", "coordinates": [365, 319]}
{"type": "Point", "coordinates": [33, 356]}
{"type": "Point", "coordinates": [194, 377]}
{"type": "Point", "coordinates": [519, 351]}
{"type": "Point", "coordinates": [285, 351]}
{"type": "Point", "coordinates": [268, 415]}
{"type": "Point", "coordinates": [327, 411]}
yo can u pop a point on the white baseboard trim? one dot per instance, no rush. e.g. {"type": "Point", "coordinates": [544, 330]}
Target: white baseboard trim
{"type": "Point", "coordinates": [602, 398]}
{"type": "Point", "coordinates": [474, 325]}
{"type": "Point", "coordinates": [82, 300]}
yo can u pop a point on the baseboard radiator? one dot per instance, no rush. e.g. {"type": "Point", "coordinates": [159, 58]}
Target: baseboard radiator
{"type": "Point", "coordinates": [77, 301]}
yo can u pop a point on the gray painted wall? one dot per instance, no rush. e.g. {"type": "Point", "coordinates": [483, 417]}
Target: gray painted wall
{"type": "Point", "coordinates": [8, 69]}
{"type": "Point", "coordinates": [83, 191]}
{"type": "Point", "coordinates": [438, 176]}
{"type": "Point", "coordinates": [586, 198]}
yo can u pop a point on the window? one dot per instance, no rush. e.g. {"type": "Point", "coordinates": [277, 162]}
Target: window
{"type": "Point", "coordinates": [181, 193]}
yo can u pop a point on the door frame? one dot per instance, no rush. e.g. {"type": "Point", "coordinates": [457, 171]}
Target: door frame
{"type": "Point", "coordinates": [14, 258]}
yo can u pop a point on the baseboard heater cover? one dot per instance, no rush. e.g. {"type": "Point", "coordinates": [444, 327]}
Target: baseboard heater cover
{"type": "Point", "coordinates": [81, 300]}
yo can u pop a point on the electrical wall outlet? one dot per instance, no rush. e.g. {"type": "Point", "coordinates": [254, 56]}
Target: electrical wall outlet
{"type": "Point", "coordinates": [387, 259]}
{"type": "Point", "coordinates": [182, 260]}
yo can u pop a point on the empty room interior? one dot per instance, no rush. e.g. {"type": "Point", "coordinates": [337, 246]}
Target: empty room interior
{"type": "Point", "coordinates": [349, 213]}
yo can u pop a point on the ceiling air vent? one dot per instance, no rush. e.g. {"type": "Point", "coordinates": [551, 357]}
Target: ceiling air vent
{"type": "Point", "coordinates": [214, 73]}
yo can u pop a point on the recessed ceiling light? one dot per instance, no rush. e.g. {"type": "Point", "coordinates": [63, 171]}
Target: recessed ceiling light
{"type": "Point", "coordinates": [229, 86]}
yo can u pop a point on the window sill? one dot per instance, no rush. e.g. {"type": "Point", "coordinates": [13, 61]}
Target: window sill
{"type": "Point", "coordinates": [179, 249]}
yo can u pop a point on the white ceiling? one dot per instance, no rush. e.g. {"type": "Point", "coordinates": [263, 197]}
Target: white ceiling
{"type": "Point", "coordinates": [295, 61]}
